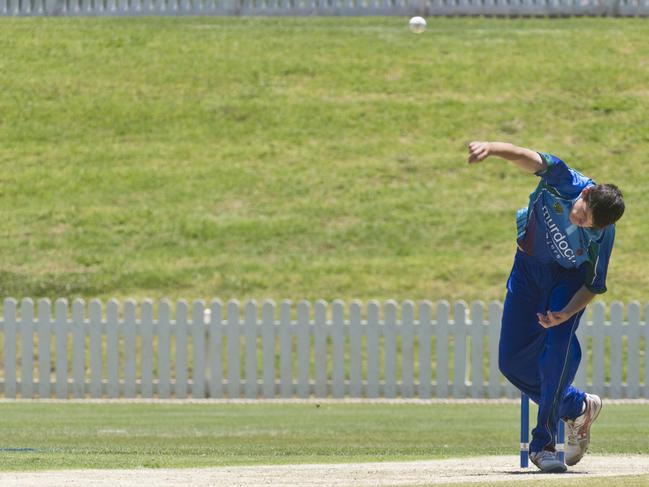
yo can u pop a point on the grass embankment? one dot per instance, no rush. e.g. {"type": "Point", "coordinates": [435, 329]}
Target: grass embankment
{"type": "Point", "coordinates": [302, 158]}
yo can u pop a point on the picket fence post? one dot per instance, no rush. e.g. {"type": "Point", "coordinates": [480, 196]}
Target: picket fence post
{"type": "Point", "coordinates": [147, 349]}
{"type": "Point", "coordinates": [250, 323]}
{"type": "Point", "coordinates": [355, 350]}
{"type": "Point", "coordinates": [113, 326]}
{"type": "Point", "coordinates": [43, 330]}
{"type": "Point", "coordinates": [129, 334]}
{"type": "Point", "coordinates": [96, 348]}
{"type": "Point", "coordinates": [441, 333]}
{"type": "Point", "coordinates": [477, 350]}
{"type": "Point", "coordinates": [424, 336]}
{"type": "Point", "coordinates": [26, 324]}
{"type": "Point", "coordinates": [633, 355]}
{"type": "Point", "coordinates": [10, 325]}
{"type": "Point", "coordinates": [389, 349]}
{"type": "Point", "coordinates": [598, 317]}
{"type": "Point", "coordinates": [181, 384]}
{"type": "Point", "coordinates": [215, 348]}
{"type": "Point", "coordinates": [459, 332]}
{"type": "Point", "coordinates": [338, 349]}
{"type": "Point", "coordinates": [495, 316]}
{"type": "Point", "coordinates": [164, 349]}
{"type": "Point", "coordinates": [320, 348]}
{"type": "Point", "coordinates": [285, 342]}
{"type": "Point", "coordinates": [407, 349]}
{"type": "Point", "coordinates": [268, 348]}
{"type": "Point", "coordinates": [372, 385]}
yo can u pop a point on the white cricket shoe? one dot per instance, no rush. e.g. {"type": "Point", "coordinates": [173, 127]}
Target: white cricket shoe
{"type": "Point", "coordinates": [548, 461]}
{"type": "Point", "coordinates": [578, 430]}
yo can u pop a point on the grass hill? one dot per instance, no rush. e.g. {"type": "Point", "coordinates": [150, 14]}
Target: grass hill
{"type": "Point", "coordinates": [303, 158]}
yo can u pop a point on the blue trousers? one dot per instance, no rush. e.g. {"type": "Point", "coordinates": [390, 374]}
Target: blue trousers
{"type": "Point", "coordinates": [542, 362]}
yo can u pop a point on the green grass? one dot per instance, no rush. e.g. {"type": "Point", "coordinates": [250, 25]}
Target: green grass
{"type": "Point", "coordinates": [302, 158]}
{"type": "Point", "coordinates": [143, 435]}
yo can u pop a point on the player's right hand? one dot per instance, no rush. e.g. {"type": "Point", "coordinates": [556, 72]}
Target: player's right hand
{"type": "Point", "coordinates": [478, 151]}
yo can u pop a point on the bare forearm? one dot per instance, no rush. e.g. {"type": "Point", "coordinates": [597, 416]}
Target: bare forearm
{"type": "Point", "coordinates": [526, 159]}
{"type": "Point", "coordinates": [579, 301]}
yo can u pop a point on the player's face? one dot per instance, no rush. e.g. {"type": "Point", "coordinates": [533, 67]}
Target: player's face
{"type": "Point", "coordinates": [581, 215]}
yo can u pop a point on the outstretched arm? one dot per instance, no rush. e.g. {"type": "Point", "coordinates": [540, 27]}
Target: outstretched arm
{"type": "Point", "coordinates": [526, 159]}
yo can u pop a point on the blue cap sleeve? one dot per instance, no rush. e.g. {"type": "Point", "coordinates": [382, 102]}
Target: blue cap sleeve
{"type": "Point", "coordinates": [599, 255]}
{"type": "Point", "coordinates": [568, 182]}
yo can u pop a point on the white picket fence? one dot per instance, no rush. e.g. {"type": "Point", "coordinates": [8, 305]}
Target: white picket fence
{"type": "Point", "coordinates": [324, 7]}
{"type": "Point", "coordinates": [285, 351]}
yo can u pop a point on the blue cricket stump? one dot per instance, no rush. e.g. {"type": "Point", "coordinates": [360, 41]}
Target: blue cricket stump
{"type": "Point", "coordinates": [525, 434]}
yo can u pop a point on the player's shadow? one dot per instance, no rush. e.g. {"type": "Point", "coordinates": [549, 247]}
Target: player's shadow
{"type": "Point", "coordinates": [538, 472]}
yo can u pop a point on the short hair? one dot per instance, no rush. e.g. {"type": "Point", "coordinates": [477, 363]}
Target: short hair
{"type": "Point", "coordinates": [607, 204]}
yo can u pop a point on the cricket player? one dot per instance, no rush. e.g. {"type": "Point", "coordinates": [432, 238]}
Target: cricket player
{"type": "Point", "coordinates": [565, 238]}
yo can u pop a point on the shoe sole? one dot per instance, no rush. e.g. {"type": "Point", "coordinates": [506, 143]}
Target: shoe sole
{"type": "Point", "coordinates": [601, 405]}
{"type": "Point", "coordinates": [557, 469]}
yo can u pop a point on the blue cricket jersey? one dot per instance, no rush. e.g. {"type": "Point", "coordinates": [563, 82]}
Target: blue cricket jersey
{"type": "Point", "coordinates": [545, 230]}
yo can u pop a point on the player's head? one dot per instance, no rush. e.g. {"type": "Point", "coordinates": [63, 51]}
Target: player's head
{"type": "Point", "coordinates": [607, 204]}
{"type": "Point", "coordinates": [599, 206]}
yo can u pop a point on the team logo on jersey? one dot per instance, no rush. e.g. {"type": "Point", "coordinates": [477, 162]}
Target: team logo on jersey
{"type": "Point", "coordinates": [557, 240]}
{"type": "Point", "coordinates": [558, 208]}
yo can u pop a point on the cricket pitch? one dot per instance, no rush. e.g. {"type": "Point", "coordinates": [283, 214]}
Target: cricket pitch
{"type": "Point", "coordinates": [429, 472]}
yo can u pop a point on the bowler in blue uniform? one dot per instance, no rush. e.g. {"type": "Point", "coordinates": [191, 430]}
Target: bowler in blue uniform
{"type": "Point", "coordinates": [565, 237]}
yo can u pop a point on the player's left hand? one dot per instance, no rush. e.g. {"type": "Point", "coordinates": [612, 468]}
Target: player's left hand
{"type": "Point", "coordinates": [552, 318]}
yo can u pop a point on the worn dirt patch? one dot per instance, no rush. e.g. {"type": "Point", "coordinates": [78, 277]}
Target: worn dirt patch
{"type": "Point", "coordinates": [480, 469]}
